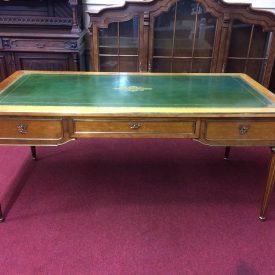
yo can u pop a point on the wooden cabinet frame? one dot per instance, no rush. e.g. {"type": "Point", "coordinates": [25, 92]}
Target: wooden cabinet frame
{"type": "Point", "coordinates": [147, 12]}
{"type": "Point", "coordinates": [5, 59]}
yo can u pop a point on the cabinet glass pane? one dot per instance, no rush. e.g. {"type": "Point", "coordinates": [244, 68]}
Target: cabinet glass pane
{"type": "Point", "coordinates": [235, 66]}
{"type": "Point", "coordinates": [239, 39]}
{"type": "Point", "coordinates": [181, 65]}
{"type": "Point", "coordinates": [272, 80]}
{"type": "Point", "coordinates": [248, 50]}
{"type": "Point", "coordinates": [162, 65]}
{"type": "Point", "coordinates": [128, 37]}
{"type": "Point", "coordinates": [255, 69]}
{"type": "Point", "coordinates": [163, 33]}
{"type": "Point", "coordinates": [109, 63]}
{"type": "Point", "coordinates": [185, 28]}
{"type": "Point", "coordinates": [205, 34]}
{"type": "Point", "coordinates": [259, 43]}
{"type": "Point", "coordinates": [128, 64]}
{"type": "Point", "coordinates": [185, 31]}
{"type": "Point", "coordinates": [201, 65]}
{"type": "Point", "coordinates": [108, 39]}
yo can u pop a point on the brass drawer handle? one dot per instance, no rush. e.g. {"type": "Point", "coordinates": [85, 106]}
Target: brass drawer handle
{"type": "Point", "coordinates": [40, 45]}
{"type": "Point", "coordinates": [22, 128]}
{"type": "Point", "coordinates": [243, 129]}
{"type": "Point", "coordinates": [135, 126]}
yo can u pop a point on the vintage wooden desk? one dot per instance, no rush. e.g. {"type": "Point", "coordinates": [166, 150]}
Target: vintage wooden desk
{"type": "Point", "coordinates": [51, 108]}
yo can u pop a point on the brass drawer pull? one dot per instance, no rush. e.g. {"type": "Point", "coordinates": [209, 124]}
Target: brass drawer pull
{"type": "Point", "coordinates": [243, 129]}
{"type": "Point", "coordinates": [22, 128]}
{"type": "Point", "coordinates": [40, 45]}
{"type": "Point", "coordinates": [135, 126]}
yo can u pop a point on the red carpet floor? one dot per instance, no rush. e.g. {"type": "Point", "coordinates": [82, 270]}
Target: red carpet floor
{"type": "Point", "coordinates": [107, 206]}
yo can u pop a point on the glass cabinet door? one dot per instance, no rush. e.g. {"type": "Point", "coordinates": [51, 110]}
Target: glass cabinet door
{"type": "Point", "coordinates": [183, 39]}
{"type": "Point", "coordinates": [119, 46]}
{"type": "Point", "coordinates": [248, 51]}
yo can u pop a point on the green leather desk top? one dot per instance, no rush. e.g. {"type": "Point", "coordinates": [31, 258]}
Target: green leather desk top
{"type": "Point", "coordinates": [126, 90]}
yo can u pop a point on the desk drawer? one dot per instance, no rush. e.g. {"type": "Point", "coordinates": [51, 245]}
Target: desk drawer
{"type": "Point", "coordinates": [137, 127]}
{"type": "Point", "coordinates": [31, 129]}
{"type": "Point", "coordinates": [240, 130]}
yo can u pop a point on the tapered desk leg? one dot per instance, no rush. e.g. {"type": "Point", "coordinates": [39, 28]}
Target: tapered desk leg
{"type": "Point", "coordinates": [33, 150]}
{"type": "Point", "coordinates": [1, 215]}
{"type": "Point", "coordinates": [269, 187]}
{"type": "Point", "coordinates": [226, 152]}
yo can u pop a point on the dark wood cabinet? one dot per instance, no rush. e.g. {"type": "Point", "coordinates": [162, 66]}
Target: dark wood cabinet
{"type": "Point", "coordinates": [4, 65]}
{"type": "Point", "coordinates": [43, 61]}
{"type": "Point", "coordinates": [184, 36]}
{"type": "Point", "coordinates": [43, 35]}
{"type": "Point", "coordinates": [272, 79]}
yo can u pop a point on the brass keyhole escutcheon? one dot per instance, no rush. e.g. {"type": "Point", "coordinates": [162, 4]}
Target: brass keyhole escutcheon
{"type": "Point", "coordinates": [22, 128]}
{"type": "Point", "coordinates": [243, 129]}
{"type": "Point", "coordinates": [135, 126]}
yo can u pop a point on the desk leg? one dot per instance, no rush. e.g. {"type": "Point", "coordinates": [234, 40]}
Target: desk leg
{"type": "Point", "coordinates": [269, 186]}
{"type": "Point", "coordinates": [227, 152]}
{"type": "Point", "coordinates": [1, 215]}
{"type": "Point", "coordinates": [33, 150]}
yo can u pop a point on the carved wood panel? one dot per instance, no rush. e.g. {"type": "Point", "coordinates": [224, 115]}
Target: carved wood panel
{"type": "Point", "coordinates": [42, 61]}
{"type": "Point", "coordinates": [44, 12]}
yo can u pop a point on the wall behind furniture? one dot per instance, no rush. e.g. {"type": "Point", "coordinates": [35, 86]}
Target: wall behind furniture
{"type": "Point", "coordinates": [97, 5]}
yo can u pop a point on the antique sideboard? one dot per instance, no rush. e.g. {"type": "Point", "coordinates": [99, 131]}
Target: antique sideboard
{"type": "Point", "coordinates": [41, 35]}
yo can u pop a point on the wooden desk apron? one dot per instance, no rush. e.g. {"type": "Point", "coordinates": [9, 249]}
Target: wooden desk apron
{"type": "Point", "coordinates": [50, 108]}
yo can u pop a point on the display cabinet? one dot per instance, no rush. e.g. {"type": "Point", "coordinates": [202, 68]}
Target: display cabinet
{"type": "Point", "coordinates": [249, 50]}
{"type": "Point", "coordinates": [184, 36]}
{"type": "Point", "coordinates": [118, 46]}
{"type": "Point", "coordinates": [41, 35]}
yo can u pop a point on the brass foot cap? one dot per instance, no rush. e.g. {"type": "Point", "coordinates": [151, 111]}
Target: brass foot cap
{"type": "Point", "coordinates": [262, 218]}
